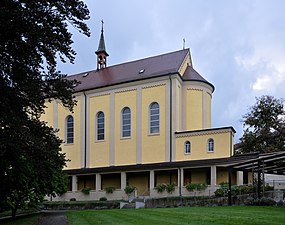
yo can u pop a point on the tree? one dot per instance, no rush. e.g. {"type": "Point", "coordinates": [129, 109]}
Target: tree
{"type": "Point", "coordinates": [264, 126]}
{"type": "Point", "coordinates": [34, 34]}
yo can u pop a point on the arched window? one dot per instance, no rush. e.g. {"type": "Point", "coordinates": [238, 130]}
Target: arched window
{"type": "Point", "coordinates": [126, 122]}
{"type": "Point", "coordinates": [100, 126]}
{"type": "Point", "coordinates": [154, 118]}
{"type": "Point", "coordinates": [69, 129]}
{"type": "Point", "coordinates": [210, 145]}
{"type": "Point", "coordinates": [187, 147]}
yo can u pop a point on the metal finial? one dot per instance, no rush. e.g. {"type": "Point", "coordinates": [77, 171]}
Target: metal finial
{"type": "Point", "coordinates": [102, 21]}
{"type": "Point", "coordinates": [183, 43]}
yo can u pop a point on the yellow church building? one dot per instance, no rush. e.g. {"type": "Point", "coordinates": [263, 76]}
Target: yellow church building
{"type": "Point", "coordinates": [141, 123]}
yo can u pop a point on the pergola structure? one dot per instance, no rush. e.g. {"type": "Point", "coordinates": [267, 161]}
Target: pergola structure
{"type": "Point", "coordinates": [270, 163]}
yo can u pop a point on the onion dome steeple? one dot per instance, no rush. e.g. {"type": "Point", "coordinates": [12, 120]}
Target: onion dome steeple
{"type": "Point", "coordinates": [101, 52]}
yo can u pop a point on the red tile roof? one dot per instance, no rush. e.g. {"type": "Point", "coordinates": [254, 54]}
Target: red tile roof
{"type": "Point", "coordinates": [155, 66]}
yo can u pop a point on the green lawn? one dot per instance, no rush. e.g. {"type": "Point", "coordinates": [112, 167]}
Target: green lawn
{"type": "Point", "coordinates": [195, 215]}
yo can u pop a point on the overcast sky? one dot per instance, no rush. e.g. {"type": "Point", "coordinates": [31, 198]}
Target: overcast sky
{"type": "Point", "coordinates": [238, 45]}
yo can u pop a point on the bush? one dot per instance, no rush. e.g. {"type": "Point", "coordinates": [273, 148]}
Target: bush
{"type": "Point", "coordinates": [103, 199]}
{"type": "Point", "coordinates": [160, 188]}
{"type": "Point", "coordinates": [220, 192]}
{"type": "Point", "coordinates": [72, 199]}
{"type": "Point", "coordinates": [198, 187]}
{"type": "Point", "coordinates": [224, 185]}
{"type": "Point", "coordinates": [129, 189]}
{"type": "Point", "coordinates": [267, 202]}
{"type": "Point", "coordinates": [250, 201]}
{"type": "Point", "coordinates": [170, 188]}
{"type": "Point", "coordinates": [109, 190]}
{"type": "Point", "coordinates": [86, 190]}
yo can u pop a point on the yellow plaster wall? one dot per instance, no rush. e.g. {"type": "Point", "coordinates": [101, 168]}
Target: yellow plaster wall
{"type": "Point", "coordinates": [166, 177]}
{"type": "Point", "coordinates": [222, 175]}
{"type": "Point", "coordinates": [184, 65]}
{"type": "Point", "coordinates": [140, 181]}
{"type": "Point", "coordinates": [179, 107]}
{"type": "Point", "coordinates": [125, 148]}
{"type": "Point", "coordinates": [111, 180]}
{"type": "Point", "coordinates": [73, 151]}
{"type": "Point", "coordinates": [209, 110]}
{"type": "Point", "coordinates": [194, 109]}
{"type": "Point", "coordinates": [199, 177]}
{"type": "Point", "coordinates": [48, 115]}
{"type": "Point", "coordinates": [199, 146]}
{"type": "Point", "coordinates": [153, 145]}
{"type": "Point", "coordinates": [99, 155]}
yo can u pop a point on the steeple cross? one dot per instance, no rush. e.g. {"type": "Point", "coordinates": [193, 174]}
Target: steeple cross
{"type": "Point", "coordinates": [102, 21]}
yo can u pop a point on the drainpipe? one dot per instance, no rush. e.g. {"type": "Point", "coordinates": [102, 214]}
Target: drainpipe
{"type": "Point", "coordinates": [170, 133]}
{"type": "Point", "coordinates": [85, 130]}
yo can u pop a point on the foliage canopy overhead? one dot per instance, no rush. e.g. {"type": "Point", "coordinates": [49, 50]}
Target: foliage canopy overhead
{"type": "Point", "coordinates": [264, 126]}
{"type": "Point", "coordinates": [34, 34]}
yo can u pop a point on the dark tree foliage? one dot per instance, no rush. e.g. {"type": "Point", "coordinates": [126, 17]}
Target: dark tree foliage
{"type": "Point", "coordinates": [264, 126]}
{"type": "Point", "coordinates": [33, 35]}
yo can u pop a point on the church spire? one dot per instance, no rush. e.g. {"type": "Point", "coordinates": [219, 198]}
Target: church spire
{"type": "Point", "coordinates": [101, 52]}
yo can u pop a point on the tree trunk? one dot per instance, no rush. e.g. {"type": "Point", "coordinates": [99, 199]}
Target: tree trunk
{"type": "Point", "coordinates": [14, 210]}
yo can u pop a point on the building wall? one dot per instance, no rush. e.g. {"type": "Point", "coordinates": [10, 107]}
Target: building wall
{"type": "Point", "coordinates": [125, 147]}
{"type": "Point", "coordinates": [199, 145]}
{"type": "Point", "coordinates": [191, 110]}
{"type": "Point", "coordinates": [99, 154]}
{"type": "Point", "coordinates": [153, 145]}
{"type": "Point", "coordinates": [73, 151]}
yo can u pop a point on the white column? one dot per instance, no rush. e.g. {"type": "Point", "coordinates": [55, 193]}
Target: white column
{"type": "Point", "coordinates": [213, 175]}
{"type": "Point", "coordinates": [239, 178]}
{"type": "Point", "coordinates": [74, 183]}
{"type": "Point", "coordinates": [151, 179]}
{"type": "Point", "coordinates": [182, 177]}
{"type": "Point", "coordinates": [98, 182]}
{"type": "Point", "coordinates": [123, 180]}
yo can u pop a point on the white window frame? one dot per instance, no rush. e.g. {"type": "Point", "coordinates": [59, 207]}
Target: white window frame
{"type": "Point", "coordinates": [97, 127]}
{"type": "Point", "coordinates": [128, 122]}
{"type": "Point", "coordinates": [210, 145]}
{"type": "Point", "coordinates": [68, 132]}
{"type": "Point", "coordinates": [150, 120]}
{"type": "Point", "coordinates": [187, 147]}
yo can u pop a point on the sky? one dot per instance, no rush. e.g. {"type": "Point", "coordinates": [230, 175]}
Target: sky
{"type": "Point", "coordinates": [237, 45]}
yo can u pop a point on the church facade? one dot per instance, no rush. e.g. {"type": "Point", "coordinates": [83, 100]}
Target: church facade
{"type": "Point", "coordinates": [142, 124]}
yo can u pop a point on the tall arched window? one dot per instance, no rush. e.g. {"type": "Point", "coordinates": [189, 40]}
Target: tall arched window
{"type": "Point", "coordinates": [154, 118]}
{"type": "Point", "coordinates": [69, 129]}
{"type": "Point", "coordinates": [126, 122]}
{"type": "Point", "coordinates": [100, 126]}
{"type": "Point", "coordinates": [187, 147]}
{"type": "Point", "coordinates": [210, 145]}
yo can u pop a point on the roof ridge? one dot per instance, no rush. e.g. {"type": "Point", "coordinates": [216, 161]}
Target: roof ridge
{"type": "Point", "coordinates": [120, 64]}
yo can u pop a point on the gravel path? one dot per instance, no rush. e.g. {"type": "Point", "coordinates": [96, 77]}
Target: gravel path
{"type": "Point", "coordinates": [53, 218]}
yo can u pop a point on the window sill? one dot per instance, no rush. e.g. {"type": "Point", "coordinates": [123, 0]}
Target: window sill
{"type": "Point", "coordinates": [98, 141]}
{"type": "Point", "coordinates": [210, 151]}
{"type": "Point", "coordinates": [153, 134]}
{"type": "Point", "coordinates": [187, 153]}
{"type": "Point", "coordinates": [126, 138]}
{"type": "Point", "coordinates": [68, 144]}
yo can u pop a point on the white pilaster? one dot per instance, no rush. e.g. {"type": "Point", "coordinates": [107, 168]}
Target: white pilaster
{"type": "Point", "coordinates": [123, 180]}
{"type": "Point", "coordinates": [98, 182]}
{"type": "Point", "coordinates": [239, 178]}
{"type": "Point", "coordinates": [139, 126]}
{"type": "Point", "coordinates": [151, 179]}
{"type": "Point", "coordinates": [213, 175]}
{"type": "Point", "coordinates": [182, 177]}
{"type": "Point", "coordinates": [74, 183]}
{"type": "Point", "coordinates": [112, 129]}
